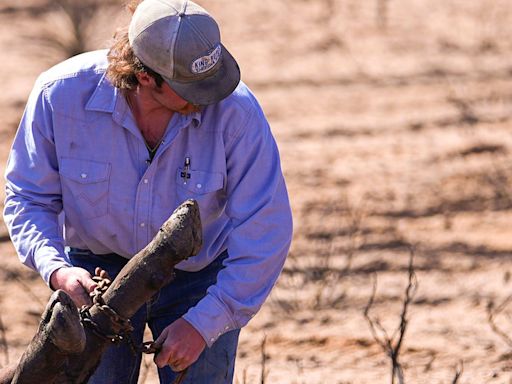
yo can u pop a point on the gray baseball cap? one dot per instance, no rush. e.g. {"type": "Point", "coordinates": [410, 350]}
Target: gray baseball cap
{"type": "Point", "coordinates": [180, 41]}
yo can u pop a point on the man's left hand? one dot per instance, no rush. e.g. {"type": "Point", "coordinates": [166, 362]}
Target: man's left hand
{"type": "Point", "coordinates": [180, 344]}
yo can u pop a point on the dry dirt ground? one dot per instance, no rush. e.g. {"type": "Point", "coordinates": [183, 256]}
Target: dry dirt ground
{"type": "Point", "coordinates": [393, 120]}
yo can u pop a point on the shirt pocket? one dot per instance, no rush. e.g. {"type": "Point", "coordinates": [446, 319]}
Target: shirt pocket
{"type": "Point", "coordinates": [85, 186]}
{"type": "Point", "coordinates": [204, 187]}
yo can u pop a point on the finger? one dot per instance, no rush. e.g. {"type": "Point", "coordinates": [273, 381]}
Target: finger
{"type": "Point", "coordinates": [80, 296]}
{"type": "Point", "coordinates": [180, 366]}
{"type": "Point", "coordinates": [161, 338]}
{"type": "Point", "coordinates": [102, 273]}
{"type": "Point", "coordinates": [179, 361]}
{"type": "Point", "coordinates": [176, 367]}
{"type": "Point", "coordinates": [165, 357]}
{"type": "Point", "coordinates": [162, 358]}
{"type": "Point", "coordinates": [174, 362]}
{"type": "Point", "coordinates": [87, 282]}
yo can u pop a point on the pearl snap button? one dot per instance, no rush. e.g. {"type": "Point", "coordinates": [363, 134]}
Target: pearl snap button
{"type": "Point", "coordinates": [199, 186]}
{"type": "Point", "coordinates": [142, 225]}
{"type": "Point", "coordinates": [83, 175]}
{"type": "Point", "coordinates": [146, 181]}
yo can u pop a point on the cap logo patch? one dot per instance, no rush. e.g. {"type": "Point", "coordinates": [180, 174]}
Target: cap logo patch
{"type": "Point", "coordinates": [207, 62]}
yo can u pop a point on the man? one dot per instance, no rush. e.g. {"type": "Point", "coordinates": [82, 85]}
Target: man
{"type": "Point", "coordinates": [111, 142]}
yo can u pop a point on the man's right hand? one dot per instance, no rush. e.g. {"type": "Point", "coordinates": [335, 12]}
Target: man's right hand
{"type": "Point", "coordinates": [76, 282]}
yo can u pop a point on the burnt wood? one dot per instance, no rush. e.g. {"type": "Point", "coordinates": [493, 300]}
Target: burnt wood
{"type": "Point", "coordinates": [63, 351]}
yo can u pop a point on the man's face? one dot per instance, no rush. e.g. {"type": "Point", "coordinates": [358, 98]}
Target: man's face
{"type": "Point", "coordinates": [172, 101]}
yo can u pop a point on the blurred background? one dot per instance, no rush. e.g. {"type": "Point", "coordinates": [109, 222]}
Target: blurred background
{"type": "Point", "coordinates": [393, 121]}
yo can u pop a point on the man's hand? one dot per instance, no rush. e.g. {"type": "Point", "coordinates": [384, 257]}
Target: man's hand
{"type": "Point", "coordinates": [181, 346]}
{"type": "Point", "coordinates": [76, 282]}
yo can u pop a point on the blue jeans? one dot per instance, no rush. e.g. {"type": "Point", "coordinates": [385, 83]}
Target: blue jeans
{"type": "Point", "coordinates": [120, 364]}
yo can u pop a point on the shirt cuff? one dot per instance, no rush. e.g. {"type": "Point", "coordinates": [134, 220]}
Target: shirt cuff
{"type": "Point", "coordinates": [210, 319]}
{"type": "Point", "coordinates": [48, 268]}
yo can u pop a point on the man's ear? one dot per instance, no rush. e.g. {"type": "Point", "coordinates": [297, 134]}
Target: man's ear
{"type": "Point", "coordinates": [145, 79]}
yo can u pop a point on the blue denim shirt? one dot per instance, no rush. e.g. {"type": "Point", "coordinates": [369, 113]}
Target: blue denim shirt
{"type": "Point", "coordinates": [78, 176]}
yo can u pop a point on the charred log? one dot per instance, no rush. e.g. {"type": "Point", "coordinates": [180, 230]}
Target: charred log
{"type": "Point", "coordinates": [63, 351]}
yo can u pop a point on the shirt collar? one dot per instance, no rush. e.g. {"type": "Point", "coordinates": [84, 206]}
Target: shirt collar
{"type": "Point", "coordinates": [104, 97]}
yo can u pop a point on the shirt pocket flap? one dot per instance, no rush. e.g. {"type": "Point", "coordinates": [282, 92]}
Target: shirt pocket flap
{"type": "Point", "coordinates": [199, 182]}
{"type": "Point", "coordinates": [84, 171]}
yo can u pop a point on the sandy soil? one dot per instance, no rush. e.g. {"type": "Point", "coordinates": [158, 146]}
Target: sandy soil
{"type": "Point", "coordinates": [394, 129]}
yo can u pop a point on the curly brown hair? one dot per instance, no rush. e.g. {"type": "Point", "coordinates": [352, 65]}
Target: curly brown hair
{"type": "Point", "coordinates": [123, 65]}
{"type": "Point", "coordinates": [133, 4]}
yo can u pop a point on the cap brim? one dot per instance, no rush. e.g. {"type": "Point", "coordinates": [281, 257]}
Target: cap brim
{"type": "Point", "coordinates": [212, 89]}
